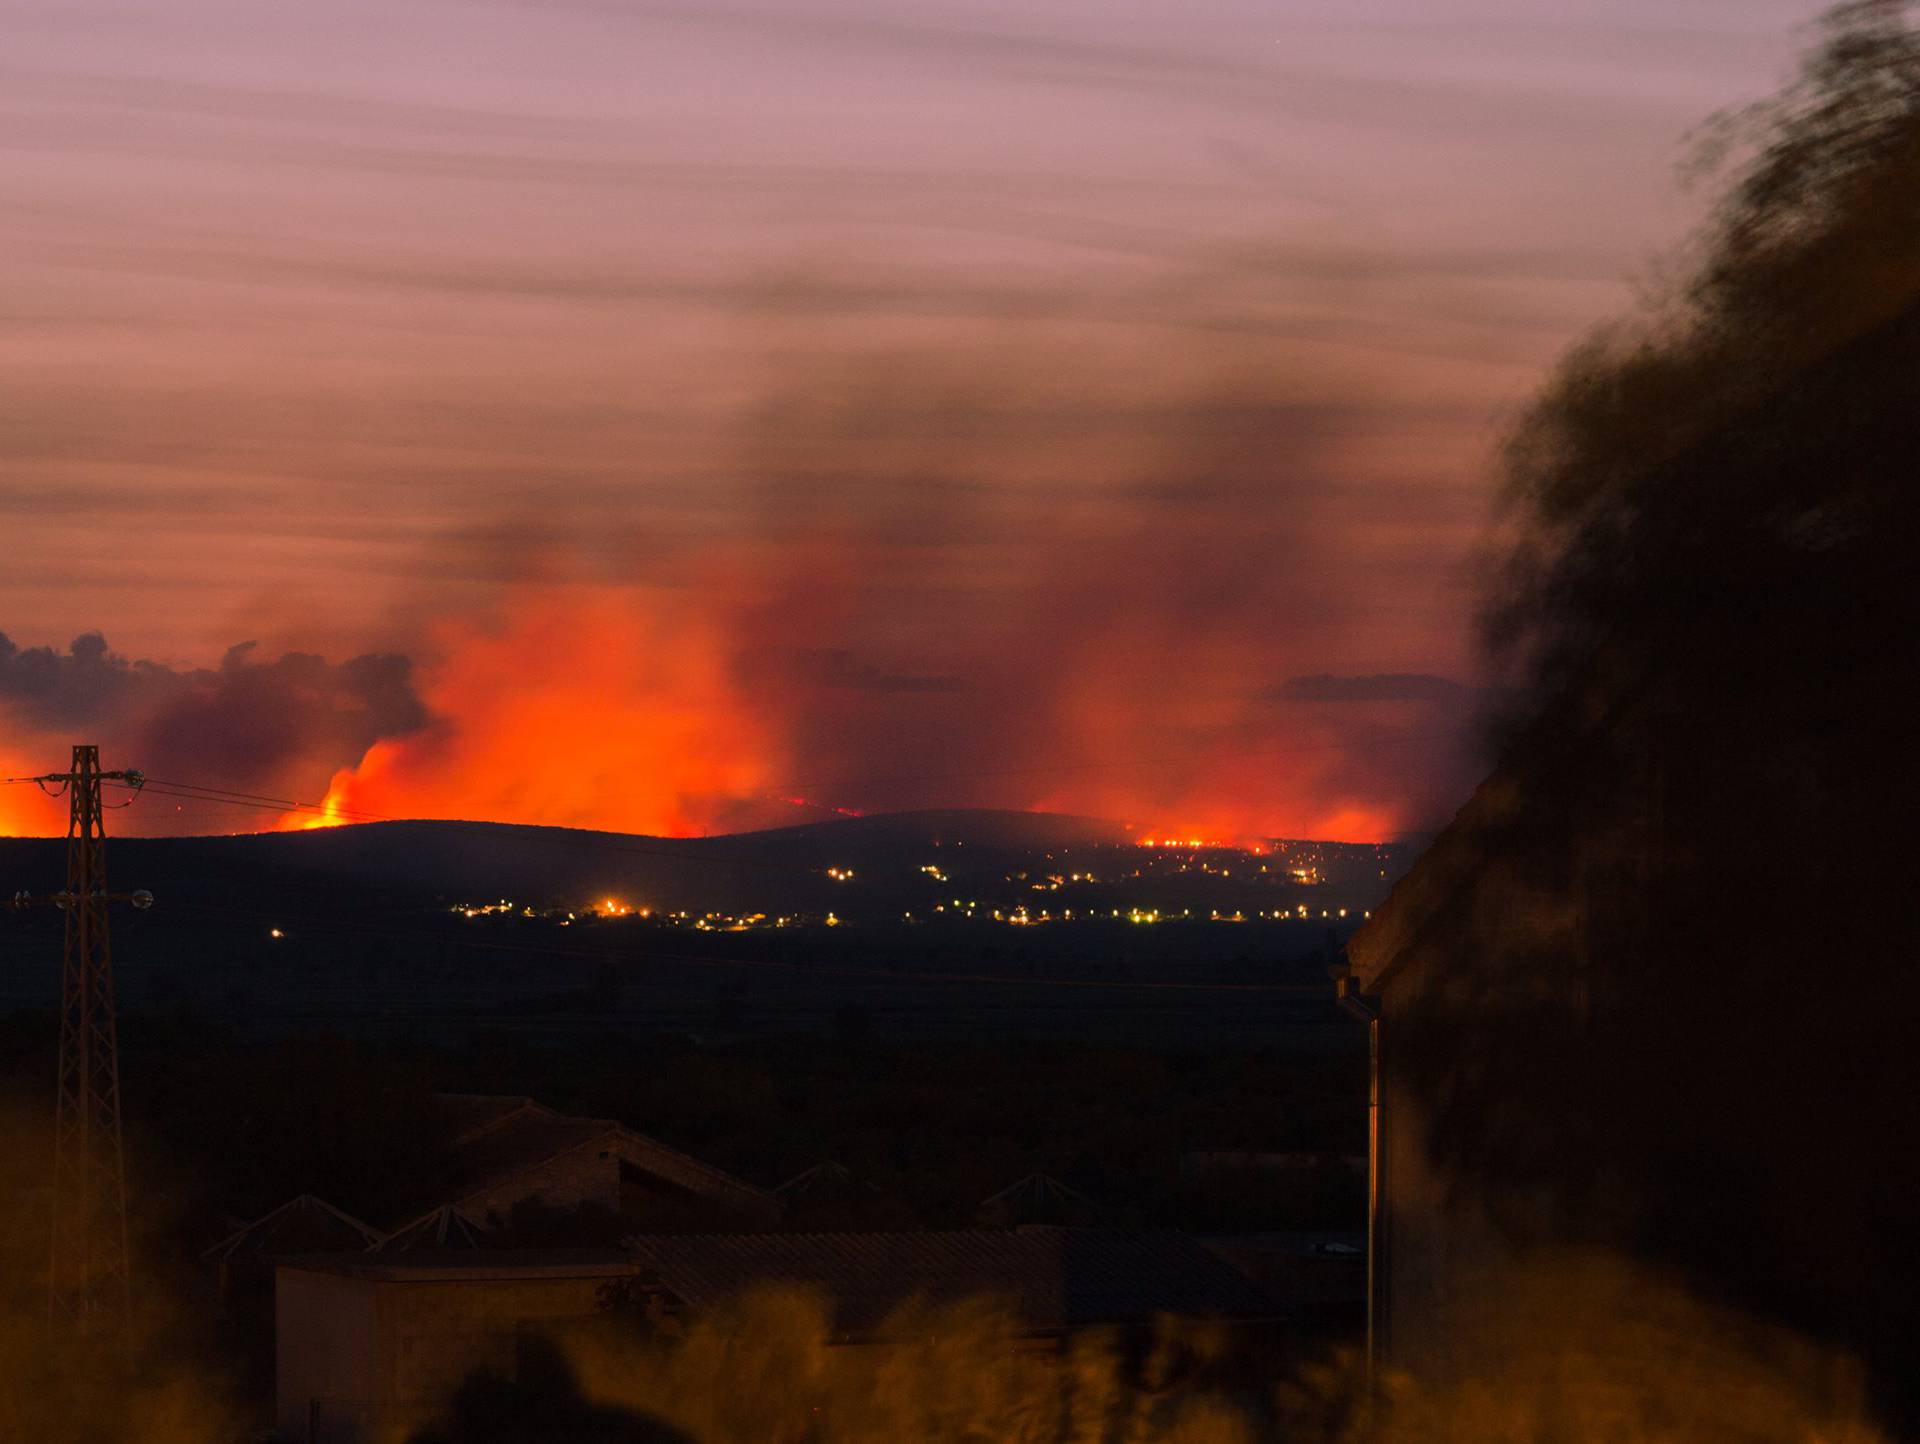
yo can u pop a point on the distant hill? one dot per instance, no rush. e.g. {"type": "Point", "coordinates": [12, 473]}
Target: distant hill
{"type": "Point", "coordinates": [406, 862]}
{"type": "Point", "coordinates": [884, 868]}
{"type": "Point", "coordinates": [380, 926]}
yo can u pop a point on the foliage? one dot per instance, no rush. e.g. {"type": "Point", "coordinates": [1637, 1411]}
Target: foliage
{"type": "Point", "coordinates": [1680, 1011]}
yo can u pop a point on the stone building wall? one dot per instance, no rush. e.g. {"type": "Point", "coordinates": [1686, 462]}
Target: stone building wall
{"type": "Point", "coordinates": [373, 1359]}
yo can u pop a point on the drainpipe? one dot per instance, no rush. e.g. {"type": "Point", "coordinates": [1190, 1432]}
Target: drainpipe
{"type": "Point", "coordinates": [1352, 1000]}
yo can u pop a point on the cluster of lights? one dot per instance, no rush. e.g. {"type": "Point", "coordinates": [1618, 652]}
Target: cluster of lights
{"type": "Point", "coordinates": [1295, 863]}
{"type": "Point", "coordinates": [1018, 916]}
{"type": "Point", "coordinates": [614, 908]}
{"type": "Point", "coordinates": [480, 910]}
{"type": "Point", "coordinates": [726, 923]}
{"type": "Point", "coordinates": [1056, 880]}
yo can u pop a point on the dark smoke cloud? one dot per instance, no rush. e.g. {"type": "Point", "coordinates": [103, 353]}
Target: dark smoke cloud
{"type": "Point", "coordinates": [990, 570]}
{"type": "Point", "coordinates": [980, 559]}
{"type": "Point", "coordinates": [838, 667]}
{"type": "Point", "coordinates": [246, 723]}
{"type": "Point", "coordinates": [970, 570]}
{"type": "Point", "coordinates": [1376, 687]}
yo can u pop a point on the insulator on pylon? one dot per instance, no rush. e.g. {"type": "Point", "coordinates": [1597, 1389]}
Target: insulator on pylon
{"type": "Point", "coordinates": [142, 899]}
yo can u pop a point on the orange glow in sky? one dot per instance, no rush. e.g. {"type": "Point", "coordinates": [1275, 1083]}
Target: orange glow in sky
{"type": "Point", "coordinates": [26, 811]}
{"type": "Point", "coordinates": [582, 710]}
{"type": "Point", "coordinates": [631, 710]}
{"type": "Point", "coordinates": [1062, 379]}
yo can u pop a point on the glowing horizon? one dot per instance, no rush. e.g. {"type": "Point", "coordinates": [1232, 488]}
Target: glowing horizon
{"type": "Point", "coordinates": [874, 386]}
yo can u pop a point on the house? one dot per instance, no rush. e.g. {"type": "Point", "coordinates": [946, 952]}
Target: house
{"type": "Point", "coordinates": [1037, 1198]}
{"type": "Point", "coordinates": [1435, 1243]}
{"type": "Point", "coordinates": [372, 1347]}
{"type": "Point", "coordinates": [369, 1348]}
{"type": "Point", "coordinates": [1321, 1273]}
{"type": "Point", "coordinates": [440, 1229]}
{"type": "Point", "coordinates": [830, 1197]}
{"type": "Point", "coordinates": [1054, 1281]}
{"type": "Point", "coordinates": [244, 1258]}
{"type": "Point", "coordinates": [510, 1150]}
{"type": "Point", "coordinates": [506, 1152]}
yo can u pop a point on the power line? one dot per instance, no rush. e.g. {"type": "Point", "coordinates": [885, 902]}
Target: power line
{"type": "Point", "coordinates": [88, 1276]}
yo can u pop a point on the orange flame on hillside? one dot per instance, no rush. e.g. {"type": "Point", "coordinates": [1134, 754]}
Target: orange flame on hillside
{"type": "Point", "coordinates": [674, 712]}
{"type": "Point", "coordinates": [26, 811]}
{"type": "Point", "coordinates": [583, 710]}
{"type": "Point", "coordinates": [1227, 776]}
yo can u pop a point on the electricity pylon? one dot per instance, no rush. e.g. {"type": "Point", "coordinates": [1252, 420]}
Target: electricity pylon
{"type": "Point", "coordinates": [87, 1278]}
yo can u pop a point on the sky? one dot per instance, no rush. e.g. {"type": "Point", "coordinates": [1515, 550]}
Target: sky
{"type": "Point", "coordinates": [686, 416]}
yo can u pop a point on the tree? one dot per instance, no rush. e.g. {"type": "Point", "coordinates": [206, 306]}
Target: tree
{"type": "Point", "coordinates": [1703, 1045]}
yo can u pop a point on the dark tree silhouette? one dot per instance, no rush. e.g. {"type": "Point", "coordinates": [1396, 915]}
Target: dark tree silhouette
{"type": "Point", "coordinates": [542, 1404]}
{"type": "Point", "coordinates": [1684, 1012]}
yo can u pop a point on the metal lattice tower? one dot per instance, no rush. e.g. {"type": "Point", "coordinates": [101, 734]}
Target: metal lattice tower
{"type": "Point", "coordinates": [88, 1283]}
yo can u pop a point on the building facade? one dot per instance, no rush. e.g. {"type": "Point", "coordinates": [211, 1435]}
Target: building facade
{"type": "Point", "coordinates": [370, 1349]}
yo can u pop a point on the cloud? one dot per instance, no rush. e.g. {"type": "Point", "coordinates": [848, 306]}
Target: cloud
{"type": "Point", "coordinates": [969, 574]}
{"type": "Point", "coordinates": [243, 724]}
{"type": "Point", "coordinates": [933, 590]}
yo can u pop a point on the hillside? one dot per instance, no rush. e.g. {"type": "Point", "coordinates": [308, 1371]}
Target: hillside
{"type": "Point", "coordinates": [389, 863]}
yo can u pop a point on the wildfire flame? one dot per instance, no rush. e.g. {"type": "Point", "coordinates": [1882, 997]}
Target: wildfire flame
{"type": "Point", "coordinates": [26, 811]}
{"type": "Point", "coordinates": [658, 711]}
{"type": "Point", "coordinates": [582, 710]}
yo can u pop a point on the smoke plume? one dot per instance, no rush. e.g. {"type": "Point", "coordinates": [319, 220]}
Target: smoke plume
{"type": "Point", "coordinates": [895, 616]}
{"type": "Point", "coordinates": [958, 578]}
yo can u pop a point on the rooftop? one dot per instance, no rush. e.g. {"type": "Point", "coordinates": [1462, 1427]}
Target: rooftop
{"type": "Point", "coordinates": [303, 1224]}
{"type": "Point", "coordinates": [498, 1138]}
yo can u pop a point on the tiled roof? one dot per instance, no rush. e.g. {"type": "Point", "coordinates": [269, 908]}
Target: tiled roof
{"type": "Point", "coordinates": [829, 1177]}
{"type": "Point", "coordinates": [444, 1228]}
{"type": "Point", "coordinates": [1053, 1278]}
{"type": "Point", "coordinates": [468, 1115]}
{"type": "Point", "coordinates": [1460, 873]}
{"type": "Point", "coordinates": [511, 1147]}
{"type": "Point", "coordinates": [515, 1145]}
{"type": "Point", "coordinates": [301, 1225]}
{"type": "Point", "coordinates": [1037, 1198]}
